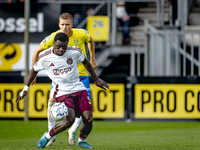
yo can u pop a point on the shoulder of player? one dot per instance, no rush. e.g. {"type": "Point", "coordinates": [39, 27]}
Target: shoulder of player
{"type": "Point", "coordinates": [45, 53]}
{"type": "Point", "coordinates": [54, 33]}
{"type": "Point", "coordinates": [77, 30]}
{"type": "Point", "coordinates": [50, 37]}
{"type": "Point", "coordinates": [73, 49]}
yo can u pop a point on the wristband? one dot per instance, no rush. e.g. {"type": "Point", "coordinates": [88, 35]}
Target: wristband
{"type": "Point", "coordinates": [24, 89]}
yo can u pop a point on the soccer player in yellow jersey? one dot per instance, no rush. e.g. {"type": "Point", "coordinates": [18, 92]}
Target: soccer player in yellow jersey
{"type": "Point", "coordinates": [78, 38]}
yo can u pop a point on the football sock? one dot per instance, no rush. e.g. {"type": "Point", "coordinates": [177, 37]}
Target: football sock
{"type": "Point", "coordinates": [82, 137]}
{"type": "Point", "coordinates": [76, 124]}
{"type": "Point", "coordinates": [51, 133]}
{"type": "Point", "coordinates": [48, 136]}
{"type": "Point", "coordinates": [51, 121]}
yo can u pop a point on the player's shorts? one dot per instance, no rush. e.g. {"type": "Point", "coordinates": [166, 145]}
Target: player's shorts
{"type": "Point", "coordinates": [85, 80]}
{"type": "Point", "coordinates": [78, 101]}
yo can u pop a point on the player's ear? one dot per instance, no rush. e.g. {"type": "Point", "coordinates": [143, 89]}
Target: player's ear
{"type": "Point", "coordinates": [72, 24]}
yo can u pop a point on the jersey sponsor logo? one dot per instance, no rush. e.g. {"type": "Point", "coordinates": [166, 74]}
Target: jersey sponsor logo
{"type": "Point", "coordinates": [61, 71]}
{"type": "Point", "coordinates": [69, 61]}
{"type": "Point", "coordinates": [52, 64]}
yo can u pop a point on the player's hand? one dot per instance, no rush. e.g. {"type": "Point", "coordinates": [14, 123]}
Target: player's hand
{"type": "Point", "coordinates": [94, 64]}
{"type": "Point", "coordinates": [21, 96]}
{"type": "Point", "coordinates": [34, 81]}
{"type": "Point", "coordinates": [102, 84]}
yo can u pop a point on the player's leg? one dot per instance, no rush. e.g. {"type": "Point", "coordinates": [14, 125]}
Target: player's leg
{"type": "Point", "coordinates": [85, 129]}
{"type": "Point", "coordinates": [59, 127]}
{"type": "Point", "coordinates": [72, 131]}
{"type": "Point", "coordinates": [51, 121]}
{"type": "Point", "coordinates": [64, 124]}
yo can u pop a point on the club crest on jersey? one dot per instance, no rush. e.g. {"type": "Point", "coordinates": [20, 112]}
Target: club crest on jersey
{"type": "Point", "coordinates": [76, 41]}
{"type": "Point", "coordinates": [69, 61]}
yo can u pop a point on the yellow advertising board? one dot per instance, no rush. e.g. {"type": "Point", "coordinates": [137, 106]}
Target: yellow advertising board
{"type": "Point", "coordinates": [167, 101]}
{"type": "Point", "coordinates": [10, 54]}
{"type": "Point", "coordinates": [8, 94]}
{"type": "Point", "coordinates": [106, 104]}
{"type": "Point", "coordinates": [38, 100]}
{"type": "Point", "coordinates": [98, 27]}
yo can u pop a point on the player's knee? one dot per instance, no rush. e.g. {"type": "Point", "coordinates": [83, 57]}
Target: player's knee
{"type": "Point", "coordinates": [89, 119]}
{"type": "Point", "coordinates": [71, 120]}
{"type": "Point", "coordinates": [66, 123]}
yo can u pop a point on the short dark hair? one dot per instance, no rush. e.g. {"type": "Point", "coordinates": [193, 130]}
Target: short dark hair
{"type": "Point", "coordinates": [61, 37]}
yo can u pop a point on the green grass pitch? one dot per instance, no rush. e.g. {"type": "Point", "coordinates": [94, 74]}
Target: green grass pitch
{"type": "Point", "coordinates": [116, 135]}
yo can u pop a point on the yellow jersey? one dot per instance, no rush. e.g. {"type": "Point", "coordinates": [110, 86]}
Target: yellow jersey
{"type": "Point", "coordinates": [79, 38]}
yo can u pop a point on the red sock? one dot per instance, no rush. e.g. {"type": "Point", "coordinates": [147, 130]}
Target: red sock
{"type": "Point", "coordinates": [82, 136]}
{"type": "Point", "coordinates": [52, 133]}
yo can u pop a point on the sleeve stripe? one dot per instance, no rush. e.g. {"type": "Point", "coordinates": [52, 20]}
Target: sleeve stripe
{"type": "Point", "coordinates": [45, 54]}
{"type": "Point", "coordinates": [75, 49]}
{"type": "Point", "coordinates": [56, 91]}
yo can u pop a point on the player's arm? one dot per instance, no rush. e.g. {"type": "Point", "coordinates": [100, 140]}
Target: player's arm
{"type": "Point", "coordinates": [99, 82]}
{"type": "Point", "coordinates": [35, 57]}
{"type": "Point", "coordinates": [91, 47]}
{"type": "Point", "coordinates": [36, 54]}
{"type": "Point", "coordinates": [31, 77]}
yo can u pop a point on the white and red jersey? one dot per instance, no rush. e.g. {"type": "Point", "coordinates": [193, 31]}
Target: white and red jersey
{"type": "Point", "coordinates": [62, 70]}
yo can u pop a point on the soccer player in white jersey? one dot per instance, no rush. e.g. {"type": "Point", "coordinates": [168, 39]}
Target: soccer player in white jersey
{"type": "Point", "coordinates": [78, 38]}
{"type": "Point", "coordinates": [60, 64]}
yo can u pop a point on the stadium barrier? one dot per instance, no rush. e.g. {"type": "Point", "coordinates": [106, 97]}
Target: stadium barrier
{"type": "Point", "coordinates": [134, 98]}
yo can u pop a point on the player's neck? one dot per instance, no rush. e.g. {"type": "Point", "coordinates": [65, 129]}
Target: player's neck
{"type": "Point", "coordinates": [70, 33]}
{"type": "Point", "coordinates": [53, 51]}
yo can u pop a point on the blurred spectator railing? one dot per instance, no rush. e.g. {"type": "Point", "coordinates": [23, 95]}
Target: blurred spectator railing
{"type": "Point", "coordinates": [82, 8]}
{"type": "Point", "coordinates": [101, 7]}
{"type": "Point", "coordinates": [171, 52]}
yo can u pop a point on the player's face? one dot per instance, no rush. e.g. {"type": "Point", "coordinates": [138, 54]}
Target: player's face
{"type": "Point", "coordinates": [60, 47]}
{"type": "Point", "coordinates": [65, 25]}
